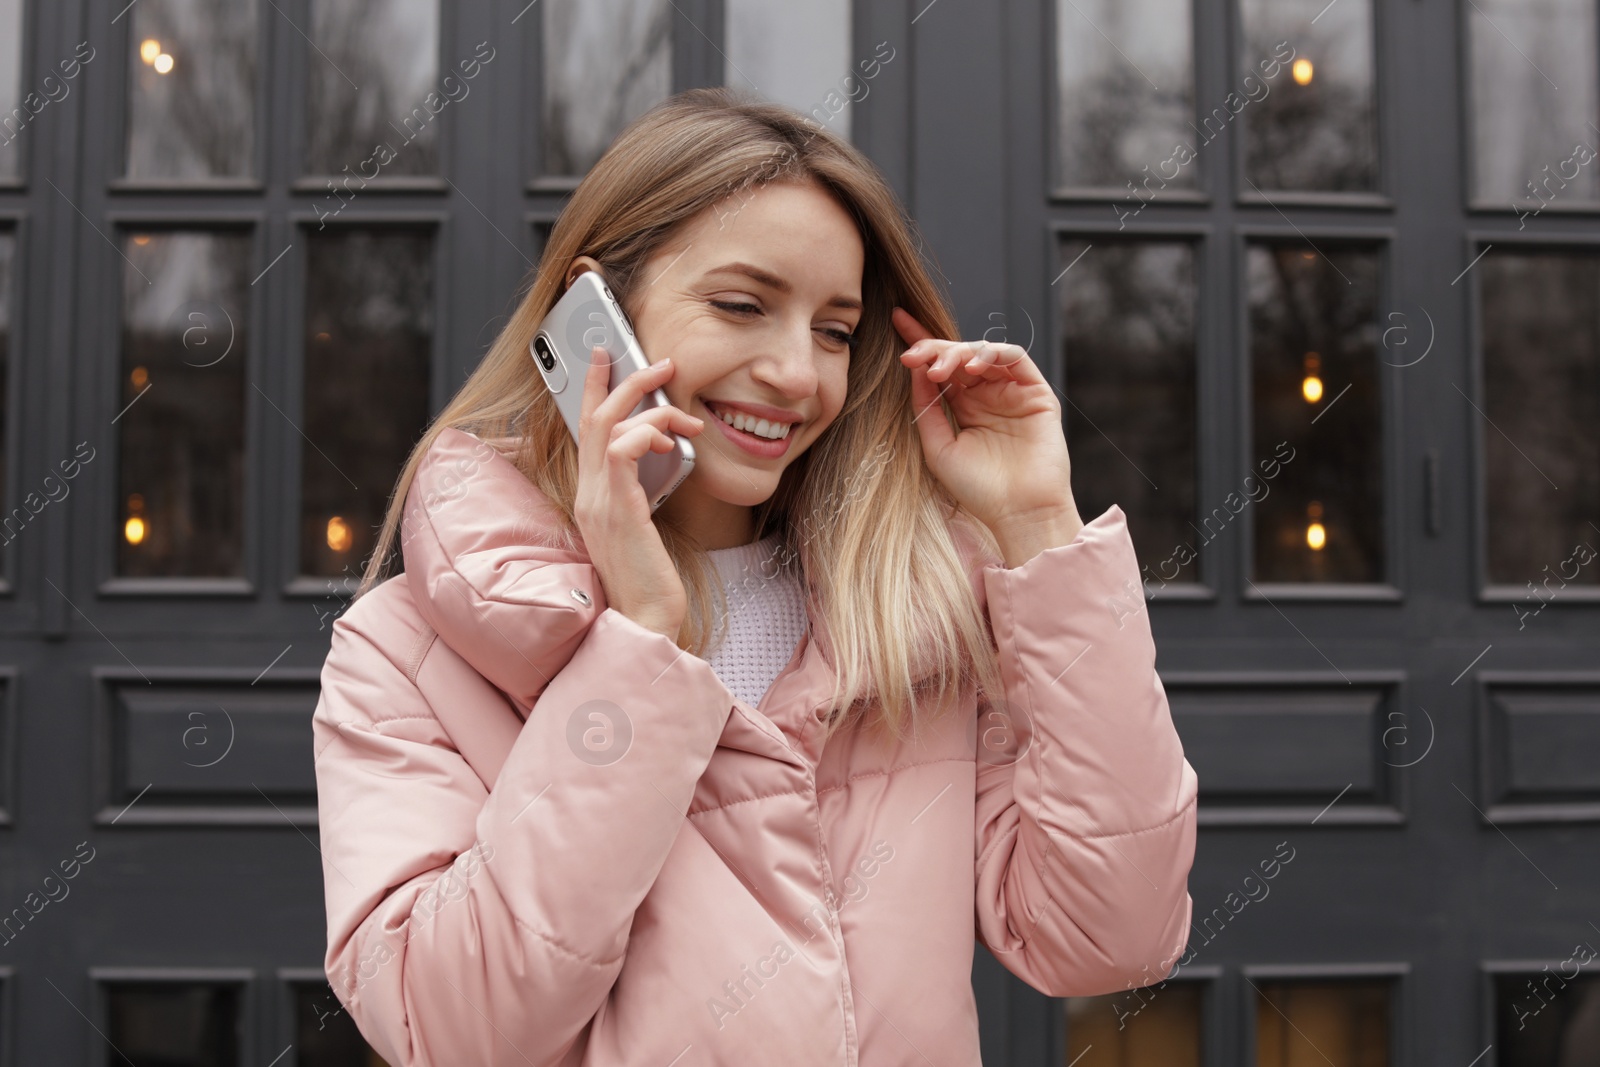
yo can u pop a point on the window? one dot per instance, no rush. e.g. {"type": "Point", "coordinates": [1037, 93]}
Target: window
{"type": "Point", "coordinates": [1124, 94]}
{"type": "Point", "coordinates": [370, 68]}
{"type": "Point", "coordinates": [606, 62]}
{"type": "Point", "coordinates": [192, 91]}
{"type": "Point", "coordinates": [185, 342]}
{"type": "Point", "coordinates": [1128, 313]}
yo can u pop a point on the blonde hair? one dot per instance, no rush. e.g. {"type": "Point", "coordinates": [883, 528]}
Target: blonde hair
{"type": "Point", "coordinates": [859, 513]}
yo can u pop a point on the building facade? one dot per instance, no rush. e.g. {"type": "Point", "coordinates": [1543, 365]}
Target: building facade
{"type": "Point", "coordinates": [1317, 282]}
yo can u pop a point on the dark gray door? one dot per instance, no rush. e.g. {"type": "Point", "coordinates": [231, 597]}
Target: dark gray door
{"type": "Point", "coordinates": [1317, 281]}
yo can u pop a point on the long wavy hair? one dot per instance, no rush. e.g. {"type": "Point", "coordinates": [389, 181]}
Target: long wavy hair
{"type": "Point", "coordinates": [859, 514]}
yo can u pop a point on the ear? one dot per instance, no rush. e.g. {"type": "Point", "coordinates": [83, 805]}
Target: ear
{"type": "Point", "coordinates": [579, 265]}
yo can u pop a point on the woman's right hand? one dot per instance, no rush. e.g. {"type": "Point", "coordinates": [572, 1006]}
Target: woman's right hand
{"type": "Point", "coordinates": [611, 509]}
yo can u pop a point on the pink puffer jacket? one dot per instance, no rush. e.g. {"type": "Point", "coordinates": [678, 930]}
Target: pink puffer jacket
{"type": "Point", "coordinates": [549, 836]}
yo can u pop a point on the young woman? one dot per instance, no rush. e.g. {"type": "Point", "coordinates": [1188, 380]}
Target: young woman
{"type": "Point", "coordinates": [740, 782]}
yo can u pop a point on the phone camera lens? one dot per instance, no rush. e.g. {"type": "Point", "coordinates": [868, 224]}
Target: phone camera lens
{"type": "Point", "coordinates": [547, 358]}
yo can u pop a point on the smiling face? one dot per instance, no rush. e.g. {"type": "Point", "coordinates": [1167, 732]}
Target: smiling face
{"type": "Point", "coordinates": [753, 300]}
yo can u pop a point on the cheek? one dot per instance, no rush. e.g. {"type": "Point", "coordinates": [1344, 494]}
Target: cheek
{"type": "Point", "coordinates": [835, 385]}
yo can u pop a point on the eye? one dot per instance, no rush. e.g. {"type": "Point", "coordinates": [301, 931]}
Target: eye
{"type": "Point", "coordinates": [734, 307]}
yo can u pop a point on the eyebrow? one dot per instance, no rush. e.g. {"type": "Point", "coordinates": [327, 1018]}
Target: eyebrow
{"type": "Point", "coordinates": [772, 281]}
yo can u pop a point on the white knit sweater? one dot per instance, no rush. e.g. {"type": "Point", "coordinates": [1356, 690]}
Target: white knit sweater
{"type": "Point", "coordinates": [766, 617]}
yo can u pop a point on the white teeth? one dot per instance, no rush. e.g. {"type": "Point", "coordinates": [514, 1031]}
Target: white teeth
{"type": "Point", "coordinates": [772, 431]}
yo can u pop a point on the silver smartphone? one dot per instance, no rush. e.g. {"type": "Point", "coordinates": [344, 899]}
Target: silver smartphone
{"type": "Point", "coordinates": [587, 315]}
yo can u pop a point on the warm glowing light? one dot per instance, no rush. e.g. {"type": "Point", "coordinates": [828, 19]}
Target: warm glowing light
{"type": "Point", "coordinates": [141, 239]}
{"type": "Point", "coordinates": [1316, 536]}
{"type": "Point", "coordinates": [139, 376]}
{"type": "Point", "coordinates": [1311, 387]}
{"type": "Point", "coordinates": [162, 63]}
{"type": "Point", "coordinates": [338, 534]}
{"type": "Point", "coordinates": [149, 48]}
{"type": "Point", "coordinates": [133, 530]}
{"type": "Point", "coordinates": [1302, 71]}
{"type": "Point", "coordinates": [324, 336]}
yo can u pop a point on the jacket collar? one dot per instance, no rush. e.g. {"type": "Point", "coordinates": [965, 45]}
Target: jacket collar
{"type": "Point", "coordinates": [483, 569]}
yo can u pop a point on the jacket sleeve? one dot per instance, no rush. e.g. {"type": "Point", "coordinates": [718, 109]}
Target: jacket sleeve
{"type": "Point", "coordinates": [472, 926]}
{"type": "Point", "coordinates": [1086, 822]}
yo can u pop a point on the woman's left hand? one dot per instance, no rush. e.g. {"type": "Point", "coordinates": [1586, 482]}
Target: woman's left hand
{"type": "Point", "coordinates": [1007, 462]}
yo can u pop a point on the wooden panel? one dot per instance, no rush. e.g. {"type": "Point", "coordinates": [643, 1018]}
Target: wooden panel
{"type": "Point", "coordinates": [1539, 743]}
{"type": "Point", "coordinates": [1276, 748]}
{"type": "Point", "coordinates": [199, 747]}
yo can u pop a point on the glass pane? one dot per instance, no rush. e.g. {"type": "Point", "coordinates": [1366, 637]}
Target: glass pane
{"type": "Point", "coordinates": [1304, 1022]}
{"type": "Point", "coordinates": [1541, 437]}
{"type": "Point", "coordinates": [1548, 1019]}
{"type": "Point", "coordinates": [325, 1035]}
{"type": "Point", "coordinates": [373, 80]}
{"type": "Point", "coordinates": [14, 118]}
{"type": "Point", "coordinates": [1158, 1026]}
{"type": "Point", "coordinates": [606, 62]}
{"type": "Point", "coordinates": [799, 55]}
{"type": "Point", "coordinates": [176, 1024]}
{"type": "Point", "coordinates": [9, 527]}
{"type": "Point", "coordinates": [181, 446]}
{"type": "Point", "coordinates": [192, 89]}
{"type": "Point", "coordinates": [1534, 101]}
{"type": "Point", "coordinates": [1128, 345]}
{"type": "Point", "coordinates": [1317, 436]}
{"type": "Point", "coordinates": [1311, 120]}
{"type": "Point", "coordinates": [1125, 95]}
{"type": "Point", "coordinates": [369, 332]}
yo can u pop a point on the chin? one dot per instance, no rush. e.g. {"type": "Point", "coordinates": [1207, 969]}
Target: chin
{"type": "Point", "coordinates": [747, 489]}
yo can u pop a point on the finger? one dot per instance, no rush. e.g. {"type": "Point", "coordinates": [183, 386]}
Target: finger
{"type": "Point", "coordinates": [925, 351]}
{"type": "Point", "coordinates": [632, 389]}
{"type": "Point", "coordinates": [596, 381]}
{"type": "Point", "coordinates": [908, 327]}
{"type": "Point", "coordinates": [666, 418]}
{"type": "Point", "coordinates": [952, 361]}
{"type": "Point", "coordinates": [596, 387]}
{"type": "Point", "coordinates": [1007, 361]}
{"type": "Point", "coordinates": [932, 425]}
{"type": "Point", "coordinates": [623, 455]}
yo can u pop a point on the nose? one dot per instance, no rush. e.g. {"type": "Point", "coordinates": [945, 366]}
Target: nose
{"type": "Point", "coordinates": [788, 363]}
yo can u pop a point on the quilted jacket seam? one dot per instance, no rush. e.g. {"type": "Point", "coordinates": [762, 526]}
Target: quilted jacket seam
{"type": "Point", "coordinates": [1162, 825]}
{"type": "Point", "coordinates": [418, 652]}
{"type": "Point", "coordinates": [553, 943]}
{"type": "Point", "coordinates": [1036, 753]}
{"type": "Point", "coordinates": [893, 770]}
{"type": "Point", "coordinates": [745, 800]}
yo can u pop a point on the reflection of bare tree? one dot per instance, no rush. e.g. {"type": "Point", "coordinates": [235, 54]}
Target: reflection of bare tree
{"type": "Point", "coordinates": [1533, 97]}
{"type": "Point", "coordinates": [369, 329]}
{"type": "Point", "coordinates": [1129, 354]}
{"type": "Point", "coordinates": [10, 86]}
{"type": "Point", "coordinates": [1301, 302]}
{"type": "Point", "coordinates": [181, 447]}
{"type": "Point", "coordinates": [8, 249]}
{"type": "Point", "coordinates": [199, 119]}
{"type": "Point", "coordinates": [1320, 137]}
{"type": "Point", "coordinates": [1112, 121]}
{"type": "Point", "coordinates": [1115, 125]}
{"type": "Point", "coordinates": [606, 63]}
{"type": "Point", "coordinates": [389, 48]}
{"type": "Point", "coordinates": [1541, 378]}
